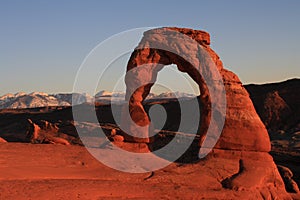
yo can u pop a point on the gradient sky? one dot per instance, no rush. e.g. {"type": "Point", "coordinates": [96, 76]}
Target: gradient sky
{"type": "Point", "coordinates": [43, 43]}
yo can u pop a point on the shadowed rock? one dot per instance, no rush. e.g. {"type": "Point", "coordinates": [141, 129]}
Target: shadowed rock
{"type": "Point", "coordinates": [47, 134]}
{"type": "Point", "coordinates": [278, 104]}
{"type": "Point", "coordinates": [287, 174]}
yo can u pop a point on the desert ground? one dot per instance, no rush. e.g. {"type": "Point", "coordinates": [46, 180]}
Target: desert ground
{"type": "Point", "coordinates": [47, 171]}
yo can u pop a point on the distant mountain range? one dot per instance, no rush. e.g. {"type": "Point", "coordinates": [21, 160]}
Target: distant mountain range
{"type": "Point", "coordinates": [40, 99]}
{"type": "Point", "coordinates": [272, 101]}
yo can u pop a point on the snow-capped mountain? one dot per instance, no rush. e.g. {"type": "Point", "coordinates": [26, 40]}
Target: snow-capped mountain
{"type": "Point", "coordinates": [41, 99]}
{"type": "Point", "coordinates": [175, 95]}
{"type": "Point", "coordinates": [76, 98]}
{"type": "Point", "coordinates": [104, 93]}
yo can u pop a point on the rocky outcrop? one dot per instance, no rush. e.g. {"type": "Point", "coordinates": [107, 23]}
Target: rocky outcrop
{"type": "Point", "coordinates": [243, 129]}
{"type": "Point", "coordinates": [243, 137]}
{"type": "Point", "coordinates": [2, 140]}
{"type": "Point", "coordinates": [33, 131]}
{"type": "Point", "coordinates": [47, 134]}
{"type": "Point", "coordinates": [278, 104]}
{"type": "Point", "coordinates": [287, 176]}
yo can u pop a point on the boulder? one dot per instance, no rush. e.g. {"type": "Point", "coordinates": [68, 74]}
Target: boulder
{"type": "Point", "coordinates": [46, 132]}
{"type": "Point", "coordinates": [287, 174]}
{"type": "Point", "coordinates": [33, 131]}
{"type": "Point", "coordinates": [118, 138]}
{"type": "Point", "coordinates": [2, 140]}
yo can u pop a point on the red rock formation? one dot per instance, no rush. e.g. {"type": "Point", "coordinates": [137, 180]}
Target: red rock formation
{"type": "Point", "coordinates": [47, 134]}
{"type": "Point", "coordinates": [243, 137]}
{"type": "Point", "coordinates": [287, 175]}
{"type": "Point", "coordinates": [2, 140]}
{"type": "Point", "coordinates": [33, 131]}
{"type": "Point", "coordinates": [278, 104]}
{"type": "Point", "coordinates": [243, 129]}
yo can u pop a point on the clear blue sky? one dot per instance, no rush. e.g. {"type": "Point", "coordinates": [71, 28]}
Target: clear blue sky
{"type": "Point", "coordinates": [43, 43]}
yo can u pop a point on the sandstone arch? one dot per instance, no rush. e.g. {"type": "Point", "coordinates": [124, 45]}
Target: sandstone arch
{"type": "Point", "coordinates": [243, 129]}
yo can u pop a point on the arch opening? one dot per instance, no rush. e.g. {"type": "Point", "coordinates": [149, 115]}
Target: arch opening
{"type": "Point", "coordinates": [164, 111]}
{"type": "Point", "coordinates": [170, 79]}
{"type": "Point", "coordinates": [136, 96]}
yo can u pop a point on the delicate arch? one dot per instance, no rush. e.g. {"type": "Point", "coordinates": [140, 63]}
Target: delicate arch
{"type": "Point", "coordinates": [242, 130]}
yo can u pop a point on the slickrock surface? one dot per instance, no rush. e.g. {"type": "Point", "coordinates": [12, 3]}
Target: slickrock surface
{"type": "Point", "coordinates": [35, 171]}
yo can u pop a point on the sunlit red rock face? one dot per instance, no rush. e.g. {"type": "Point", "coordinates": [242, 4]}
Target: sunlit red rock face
{"type": "Point", "coordinates": [244, 136]}
{"type": "Point", "coordinates": [2, 140]}
{"type": "Point", "coordinates": [243, 129]}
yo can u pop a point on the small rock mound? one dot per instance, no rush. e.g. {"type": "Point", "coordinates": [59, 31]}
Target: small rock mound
{"type": "Point", "coordinates": [49, 133]}
{"type": "Point", "coordinates": [287, 175]}
{"type": "Point", "coordinates": [2, 140]}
